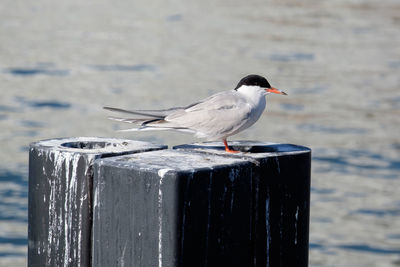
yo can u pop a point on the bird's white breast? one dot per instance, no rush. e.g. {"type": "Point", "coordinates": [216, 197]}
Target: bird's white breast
{"type": "Point", "coordinates": [255, 97]}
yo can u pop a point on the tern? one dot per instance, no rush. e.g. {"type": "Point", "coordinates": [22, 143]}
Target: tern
{"type": "Point", "coordinates": [215, 118]}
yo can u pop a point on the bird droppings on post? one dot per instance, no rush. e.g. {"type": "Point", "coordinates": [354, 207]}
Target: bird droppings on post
{"type": "Point", "coordinates": [60, 182]}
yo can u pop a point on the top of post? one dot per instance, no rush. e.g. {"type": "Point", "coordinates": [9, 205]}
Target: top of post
{"type": "Point", "coordinates": [94, 145]}
{"type": "Point", "coordinates": [252, 149]}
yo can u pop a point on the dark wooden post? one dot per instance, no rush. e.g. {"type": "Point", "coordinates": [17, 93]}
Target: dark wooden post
{"type": "Point", "coordinates": [199, 206]}
{"type": "Point", "coordinates": [280, 179]}
{"type": "Point", "coordinates": [60, 192]}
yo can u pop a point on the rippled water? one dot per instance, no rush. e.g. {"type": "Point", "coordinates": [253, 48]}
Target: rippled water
{"type": "Point", "coordinates": [338, 60]}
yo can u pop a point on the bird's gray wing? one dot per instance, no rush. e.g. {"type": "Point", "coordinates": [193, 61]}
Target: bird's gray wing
{"type": "Point", "coordinates": [216, 117]}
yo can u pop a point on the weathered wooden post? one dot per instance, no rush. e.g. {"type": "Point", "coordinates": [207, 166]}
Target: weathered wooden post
{"type": "Point", "coordinates": [280, 179]}
{"type": "Point", "coordinates": [60, 196]}
{"type": "Point", "coordinates": [199, 206]}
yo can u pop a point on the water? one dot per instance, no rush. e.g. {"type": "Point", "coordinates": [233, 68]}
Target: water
{"type": "Point", "coordinates": [338, 60]}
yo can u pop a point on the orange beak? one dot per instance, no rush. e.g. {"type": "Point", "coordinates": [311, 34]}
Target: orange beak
{"type": "Point", "coordinates": [275, 91]}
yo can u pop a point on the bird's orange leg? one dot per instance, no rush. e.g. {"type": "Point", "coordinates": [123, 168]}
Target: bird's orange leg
{"type": "Point", "coordinates": [227, 149]}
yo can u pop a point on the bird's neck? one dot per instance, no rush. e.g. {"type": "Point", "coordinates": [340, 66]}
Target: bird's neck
{"type": "Point", "coordinates": [254, 94]}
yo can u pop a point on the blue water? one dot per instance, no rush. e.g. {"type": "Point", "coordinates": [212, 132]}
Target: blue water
{"type": "Point", "coordinates": [13, 211]}
{"type": "Point", "coordinates": [338, 61]}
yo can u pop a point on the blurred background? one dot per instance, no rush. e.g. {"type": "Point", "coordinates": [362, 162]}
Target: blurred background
{"type": "Point", "coordinates": [339, 61]}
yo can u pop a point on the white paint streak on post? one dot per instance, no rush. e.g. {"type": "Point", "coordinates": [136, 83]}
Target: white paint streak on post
{"type": "Point", "coordinates": [161, 173]}
{"type": "Point", "coordinates": [52, 219]}
{"type": "Point", "coordinates": [122, 259]}
{"type": "Point", "coordinates": [67, 215]}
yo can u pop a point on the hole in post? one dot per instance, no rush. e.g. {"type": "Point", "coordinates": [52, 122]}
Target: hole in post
{"type": "Point", "coordinates": [88, 145]}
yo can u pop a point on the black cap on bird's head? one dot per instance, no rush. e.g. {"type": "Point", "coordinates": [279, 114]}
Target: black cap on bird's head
{"type": "Point", "coordinates": [252, 80]}
{"type": "Point", "coordinates": [257, 80]}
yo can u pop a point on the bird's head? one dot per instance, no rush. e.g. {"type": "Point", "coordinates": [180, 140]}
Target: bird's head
{"type": "Point", "coordinates": [258, 81]}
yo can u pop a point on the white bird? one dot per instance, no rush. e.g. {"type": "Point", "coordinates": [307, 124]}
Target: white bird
{"type": "Point", "coordinates": [214, 118]}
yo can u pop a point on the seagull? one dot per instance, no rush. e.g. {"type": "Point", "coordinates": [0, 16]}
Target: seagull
{"type": "Point", "coordinates": [215, 118]}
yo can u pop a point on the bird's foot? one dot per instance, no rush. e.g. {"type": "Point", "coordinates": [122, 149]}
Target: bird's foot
{"type": "Point", "coordinates": [227, 149]}
{"type": "Point", "coordinates": [231, 150]}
